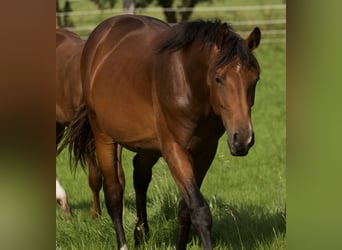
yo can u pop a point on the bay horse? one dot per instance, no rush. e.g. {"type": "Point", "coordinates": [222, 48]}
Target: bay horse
{"type": "Point", "coordinates": [69, 98]}
{"type": "Point", "coordinates": [168, 92]}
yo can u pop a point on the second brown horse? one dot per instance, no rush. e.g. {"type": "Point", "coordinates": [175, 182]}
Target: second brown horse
{"type": "Point", "coordinates": [69, 98]}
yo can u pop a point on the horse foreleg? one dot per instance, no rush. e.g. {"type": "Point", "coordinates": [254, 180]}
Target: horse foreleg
{"type": "Point", "coordinates": [184, 221]}
{"type": "Point", "coordinates": [179, 162]}
{"type": "Point", "coordinates": [202, 157]}
{"type": "Point", "coordinates": [142, 176]}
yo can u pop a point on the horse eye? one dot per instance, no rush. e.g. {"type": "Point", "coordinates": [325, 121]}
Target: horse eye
{"type": "Point", "coordinates": [218, 80]}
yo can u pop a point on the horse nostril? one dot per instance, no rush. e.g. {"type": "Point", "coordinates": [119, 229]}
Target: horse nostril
{"type": "Point", "coordinates": [235, 138]}
{"type": "Point", "coordinates": [238, 140]}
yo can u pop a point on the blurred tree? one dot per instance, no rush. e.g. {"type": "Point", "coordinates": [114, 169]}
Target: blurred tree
{"type": "Point", "coordinates": [58, 17]}
{"type": "Point", "coordinates": [129, 6]}
{"type": "Point", "coordinates": [189, 5]}
{"type": "Point", "coordinates": [172, 14]}
{"type": "Point", "coordinates": [104, 4]}
{"type": "Point", "coordinates": [66, 18]}
{"type": "Point", "coordinates": [184, 10]}
{"type": "Point", "coordinates": [67, 9]}
{"type": "Point", "coordinates": [169, 12]}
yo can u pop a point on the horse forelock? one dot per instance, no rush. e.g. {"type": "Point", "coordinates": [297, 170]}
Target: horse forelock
{"type": "Point", "coordinates": [234, 50]}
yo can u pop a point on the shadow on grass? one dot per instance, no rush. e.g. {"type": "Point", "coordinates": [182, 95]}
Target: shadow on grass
{"type": "Point", "coordinates": [246, 226]}
{"type": "Point", "coordinates": [86, 205]}
{"type": "Point", "coordinates": [235, 226]}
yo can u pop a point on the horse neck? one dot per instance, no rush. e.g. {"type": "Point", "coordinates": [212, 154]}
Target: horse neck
{"type": "Point", "coordinates": [196, 65]}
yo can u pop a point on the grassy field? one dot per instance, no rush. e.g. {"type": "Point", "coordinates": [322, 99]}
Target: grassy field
{"type": "Point", "coordinates": [246, 195]}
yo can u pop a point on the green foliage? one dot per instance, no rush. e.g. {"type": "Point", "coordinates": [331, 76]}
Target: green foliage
{"type": "Point", "coordinates": [142, 3]}
{"type": "Point", "coordinates": [246, 195]}
{"type": "Point", "coordinates": [104, 4]}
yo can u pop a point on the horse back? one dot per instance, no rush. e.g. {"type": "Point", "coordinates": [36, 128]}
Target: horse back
{"type": "Point", "coordinates": [123, 42]}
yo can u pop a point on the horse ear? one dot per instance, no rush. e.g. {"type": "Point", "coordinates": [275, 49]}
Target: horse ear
{"type": "Point", "coordinates": [221, 37]}
{"type": "Point", "coordinates": [253, 39]}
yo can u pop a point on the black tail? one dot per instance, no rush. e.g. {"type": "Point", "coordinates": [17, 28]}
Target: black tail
{"type": "Point", "coordinates": [79, 139]}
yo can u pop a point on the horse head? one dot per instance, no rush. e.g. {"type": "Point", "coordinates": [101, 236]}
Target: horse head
{"type": "Point", "coordinates": [232, 76]}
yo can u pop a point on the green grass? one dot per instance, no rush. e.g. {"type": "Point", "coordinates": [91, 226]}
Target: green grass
{"type": "Point", "coordinates": [246, 195]}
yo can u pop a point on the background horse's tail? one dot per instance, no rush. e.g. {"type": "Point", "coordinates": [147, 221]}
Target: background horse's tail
{"type": "Point", "coordinates": [79, 139]}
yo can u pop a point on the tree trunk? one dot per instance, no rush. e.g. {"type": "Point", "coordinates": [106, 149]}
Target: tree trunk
{"type": "Point", "coordinates": [58, 17]}
{"type": "Point", "coordinates": [129, 6]}
{"type": "Point", "coordinates": [185, 15]}
{"type": "Point", "coordinates": [169, 12]}
{"type": "Point", "coordinates": [67, 9]}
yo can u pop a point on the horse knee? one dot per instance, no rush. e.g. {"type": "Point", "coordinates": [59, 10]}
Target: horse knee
{"type": "Point", "coordinates": [183, 214]}
{"type": "Point", "coordinates": [201, 217]}
{"type": "Point", "coordinates": [95, 182]}
{"type": "Point", "coordinates": [95, 176]}
{"type": "Point", "coordinates": [113, 194]}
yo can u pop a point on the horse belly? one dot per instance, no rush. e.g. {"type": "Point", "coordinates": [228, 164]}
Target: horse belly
{"type": "Point", "coordinates": [126, 118]}
{"type": "Point", "coordinates": [135, 132]}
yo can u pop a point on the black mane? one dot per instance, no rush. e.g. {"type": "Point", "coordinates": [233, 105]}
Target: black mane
{"type": "Point", "coordinates": [184, 34]}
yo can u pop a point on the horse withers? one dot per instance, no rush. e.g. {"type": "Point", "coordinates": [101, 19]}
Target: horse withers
{"type": "Point", "coordinates": [171, 92]}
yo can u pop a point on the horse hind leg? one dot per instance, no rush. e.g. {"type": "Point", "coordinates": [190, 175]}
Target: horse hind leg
{"type": "Point", "coordinates": [95, 184]}
{"type": "Point", "coordinates": [61, 198]}
{"type": "Point", "coordinates": [142, 175]}
{"type": "Point", "coordinates": [121, 174]}
{"type": "Point", "coordinates": [113, 190]}
{"type": "Point", "coordinates": [95, 180]}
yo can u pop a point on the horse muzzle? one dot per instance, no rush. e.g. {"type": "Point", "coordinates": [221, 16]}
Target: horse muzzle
{"type": "Point", "coordinates": [240, 143]}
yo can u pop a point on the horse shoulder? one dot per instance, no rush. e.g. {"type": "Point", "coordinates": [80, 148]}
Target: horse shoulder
{"type": "Point", "coordinates": [175, 99]}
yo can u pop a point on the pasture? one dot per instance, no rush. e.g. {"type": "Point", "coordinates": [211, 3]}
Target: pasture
{"type": "Point", "coordinates": [246, 195]}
